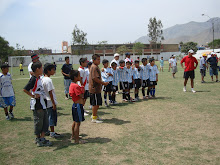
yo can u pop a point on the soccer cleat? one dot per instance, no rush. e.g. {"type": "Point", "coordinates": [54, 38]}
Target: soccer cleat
{"type": "Point", "coordinates": [96, 121]}
{"type": "Point", "coordinates": [125, 100]}
{"type": "Point", "coordinates": [106, 104]}
{"type": "Point", "coordinates": [193, 91]}
{"type": "Point", "coordinates": [47, 133]}
{"type": "Point", "coordinates": [11, 115]}
{"type": "Point", "coordinates": [90, 107]}
{"type": "Point", "coordinates": [54, 135]}
{"type": "Point", "coordinates": [184, 89]}
{"type": "Point", "coordinates": [86, 114]}
{"type": "Point", "coordinates": [115, 103]}
{"type": "Point", "coordinates": [45, 142]}
{"type": "Point", "coordinates": [216, 80]}
{"type": "Point", "coordinates": [7, 118]}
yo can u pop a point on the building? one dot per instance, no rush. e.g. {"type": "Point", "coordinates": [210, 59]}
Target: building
{"type": "Point", "coordinates": [110, 49]}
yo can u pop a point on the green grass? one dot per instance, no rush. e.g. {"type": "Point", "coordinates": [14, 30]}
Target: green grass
{"type": "Point", "coordinates": [175, 128]}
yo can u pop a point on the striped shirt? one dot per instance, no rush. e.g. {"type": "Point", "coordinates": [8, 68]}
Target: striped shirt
{"type": "Point", "coordinates": [130, 73]}
{"type": "Point", "coordinates": [137, 73]}
{"type": "Point", "coordinates": [122, 74]}
{"type": "Point", "coordinates": [145, 72]}
{"type": "Point", "coordinates": [153, 71]}
{"type": "Point", "coordinates": [115, 77]}
{"type": "Point", "coordinates": [105, 76]}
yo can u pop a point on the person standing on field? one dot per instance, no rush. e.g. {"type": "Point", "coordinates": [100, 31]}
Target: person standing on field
{"type": "Point", "coordinates": [189, 68]}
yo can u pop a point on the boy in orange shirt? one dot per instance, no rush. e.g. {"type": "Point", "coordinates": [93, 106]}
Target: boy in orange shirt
{"type": "Point", "coordinates": [77, 94]}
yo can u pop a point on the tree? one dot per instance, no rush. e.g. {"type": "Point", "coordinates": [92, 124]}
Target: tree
{"type": "Point", "coordinates": [187, 46]}
{"type": "Point", "coordinates": [138, 47]}
{"type": "Point", "coordinates": [101, 44]}
{"type": "Point", "coordinates": [122, 49]}
{"type": "Point", "coordinates": [216, 44]}
{"type": "Point", "coordinates": [155, 31]}
{"type": "Point", "coordinates": [79, 38]}
{"type": "Point", "coordinates": [19, 51]}
{"type": "Point", "coordinates": [5, 50]}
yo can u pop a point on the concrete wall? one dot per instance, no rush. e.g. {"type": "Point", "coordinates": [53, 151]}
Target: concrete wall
{"type": "Point", "coordinates": [74, 59]}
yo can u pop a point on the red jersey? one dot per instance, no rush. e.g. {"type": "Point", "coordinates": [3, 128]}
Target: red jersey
{"type": "Point", "coordinates": [75, 90]}
{"type": "Point", "coordinates": [189, 63]}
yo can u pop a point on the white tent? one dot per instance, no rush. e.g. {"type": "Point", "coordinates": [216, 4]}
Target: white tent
{"type": "Point", "coordinates": [199, 53]}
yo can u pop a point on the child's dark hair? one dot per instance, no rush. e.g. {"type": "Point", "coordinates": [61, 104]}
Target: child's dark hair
{"type": "Point", "coordinates": [104, 61]}
{"type": "Point", "coordinates": [113, 64]}
{"type": "Point", "coordinates": [144, 60]}
{"type": "Point", "coordinates": [82, 60]}
{"type": "Point", "coordinates": [95, 56]}
{"type": "Point", "coordinates": [67, 57]}
{"type": "Point", "coordinates": [136, 61]}
{"type": "Point", "coordinates": [89, 64]}
{"type": "Point", "coordinates": [74, 73]}
{"type": "Point", "coordinates": [121, 61]}
{"type": "Point", "coordinates": [151, 60]}
{"type": "Point", "coordinates": [129, 62]}
{"type": "Point", "coordinates": [36, 65]}
{"type": "Point", "coordinates": [48, 67]}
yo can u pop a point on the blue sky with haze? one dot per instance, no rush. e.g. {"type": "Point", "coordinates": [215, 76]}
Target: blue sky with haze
{"type": "Point", "coordinates": [46, 23]}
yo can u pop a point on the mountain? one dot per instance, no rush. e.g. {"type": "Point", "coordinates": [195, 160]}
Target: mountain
{"type": "Point", "coordinates": [200, 32]}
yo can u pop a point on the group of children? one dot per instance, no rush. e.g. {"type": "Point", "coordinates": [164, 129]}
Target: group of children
{"type": "Point", "coordinates": [87, 81]}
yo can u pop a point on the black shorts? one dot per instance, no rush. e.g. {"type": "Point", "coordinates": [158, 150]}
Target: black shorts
{"type": "Point", "coordinates": [152, 83]}
{"type": "Point", "coordinates": [114, 88]}
{"type": "Point", "coordinates": [203, 72]}
{"type": "Point", "coordinates": [78, 112]}
{"type": "Point", "coordinates": [108, 88]}
{"type": "Point", "coordinates": [188, 74]}
{"type": "Point", "coordinates": [41, 122]}
{"type": "Point", "coordinates": [21, 70]}
{"type": "Point", "coordinates": [130, 85]}
{"type": "Point", "coordinates": [137, 83]}
{"type": "Point", "coordinates": [95, 99]}
{"type": "Point", "coordinates": [86, 94]}
{"type": "Point", "coordinates": [145, 83]}
{"type": "Point", "coordinates": [123, 85]}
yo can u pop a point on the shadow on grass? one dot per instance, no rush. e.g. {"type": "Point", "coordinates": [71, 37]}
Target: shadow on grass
{"type": "Point", "coordinates": [116, 121]}
{"type": "Point", "coordinates": [202, 91]}
{"type": "Point", "coordinates": [103, 113]}
{"type": "Point", "coordinates": [59, 108]}
{"type": "Point", "coordinates": [61, 114]}
{"type": "Point", "coordinates": [21, 119]}
{"type": "Point", "coordinates": [161, 98]}
{"type": "Point", "coordinates": [65, 141]}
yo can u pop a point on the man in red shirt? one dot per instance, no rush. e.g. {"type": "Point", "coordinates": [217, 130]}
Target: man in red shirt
{"type": "Point", "coordinates": [189, 69]}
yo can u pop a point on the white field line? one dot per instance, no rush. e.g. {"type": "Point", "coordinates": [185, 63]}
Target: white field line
{"type": "Point", "coordinates": [29, 78]}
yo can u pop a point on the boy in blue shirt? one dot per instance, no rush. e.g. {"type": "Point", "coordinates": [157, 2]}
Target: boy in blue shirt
{"type": "Point", "coordinates": [161, 64]}
{"type": "Point", "coordinates": [114, 81]}
{"type": "Point", "coordinates": [122, 74]}
{"type": "Point", "coordinates": [130, 72]}
{"type": "Point", "coordinates": [144, 76]}
{"type": "Point", "coordinates": [153, 77]}
{"type": "Point", "coordinates": [137, 79]}
{"type": "Point", "coordinates": [107, 77]}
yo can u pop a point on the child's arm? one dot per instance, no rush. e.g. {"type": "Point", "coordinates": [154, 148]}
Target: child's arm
{"type": "Point", "coordinates": [97, 80]}
{"type": "Point", "coordinates": [36, 96]}
{"type": "Point", "coordinates": [156, 77]}
{"type": "Point", "coordinates": [52, 100]}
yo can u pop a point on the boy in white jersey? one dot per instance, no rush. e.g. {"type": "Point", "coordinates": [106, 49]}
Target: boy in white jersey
{"type": "Point", "coordinates": [144, 76]}
{"type": "Point", "coordinates": [153, 77]}
{"type": "Point", "coordinates": [35, 90]}
{"type": "Point", "coordinates": [107, 76]}
{"type": "Point", "coordinates": [7, 95]}
{"type": "Point", "coordinates": [84, 79]}
{"type": "Point", "coordinates": [114, 81]}
{"type": "Point", "coordinates": [51, 101]}
{"type": "Point", "coordinates": [86, 95]}
{"type": "Point", "coordinates": [122, 74]}
{"type": "Point", "coordinates": [130, 80]}
{"type": "Point", "coordinates": [137, 79]}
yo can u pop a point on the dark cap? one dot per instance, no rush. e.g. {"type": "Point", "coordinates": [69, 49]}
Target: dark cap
{"type": "Point", "coordinates": [5, 66]}
{"type": "Point", "coordinates": [34, 56]}
{"type": "Point", "coordinates": [127, 54]}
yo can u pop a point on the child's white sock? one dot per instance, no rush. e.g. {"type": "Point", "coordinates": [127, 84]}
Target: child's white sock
{"type": "Point", "coordinates": [192, 89]}
{"type": "Point", "coordinates": [184, 87]}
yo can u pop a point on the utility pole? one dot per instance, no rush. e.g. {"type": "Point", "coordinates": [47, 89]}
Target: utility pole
{"type": "Point", "coordinates": [213, 30]}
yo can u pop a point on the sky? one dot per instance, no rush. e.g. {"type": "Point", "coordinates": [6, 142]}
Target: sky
{"type": "Point", "coordinates": [46, 23]}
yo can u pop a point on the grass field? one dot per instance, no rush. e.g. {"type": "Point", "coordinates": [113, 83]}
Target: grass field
{"type": "Point", "coordinates": [175, 128]}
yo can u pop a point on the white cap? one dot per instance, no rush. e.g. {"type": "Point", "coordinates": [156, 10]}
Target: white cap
{"type": "Point", "coordinates": [116, 55]}
{"type": "Point", "coordinates": [190, 51]}
{"type": "Point", "coordinates": [213, 53]}
{"type": "Point", "coordinates": [174, 55]}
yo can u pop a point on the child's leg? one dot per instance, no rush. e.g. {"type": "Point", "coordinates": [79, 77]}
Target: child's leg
{"type": "Point", "coordinates": [105, 97]}
{"type": "Point", "coordinates": [94, 111]}
{"type": "Point", "coordinates": [128, 94]}
{"type": "Point", "coordinates": [76, 132]}
{"type": "Point", "coordinates": [153, 91]}
{"type": "Point", "coordinates": [6, 111]}
{"type": "Point", "coordinates": [109, 97]}
{"type": "Point", "coordinates": [11, 109]}
{"type": "Point", "coordinates": [143, 91]}
{"type": "Point", "coordinates": [123, 94]}
{"type": "Point", "coordinates": [73, 126]}
{"type": "Point", "coordinates": [136, 92]}
{"type": "Point", "coordinates": [113, 96]}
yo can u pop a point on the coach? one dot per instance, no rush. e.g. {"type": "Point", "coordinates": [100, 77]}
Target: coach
{"type": "Point", "coordinates": [189, 69]}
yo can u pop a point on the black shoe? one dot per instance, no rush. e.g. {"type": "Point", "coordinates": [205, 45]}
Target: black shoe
{"type": "Point", "coordinates": [47, 133]}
